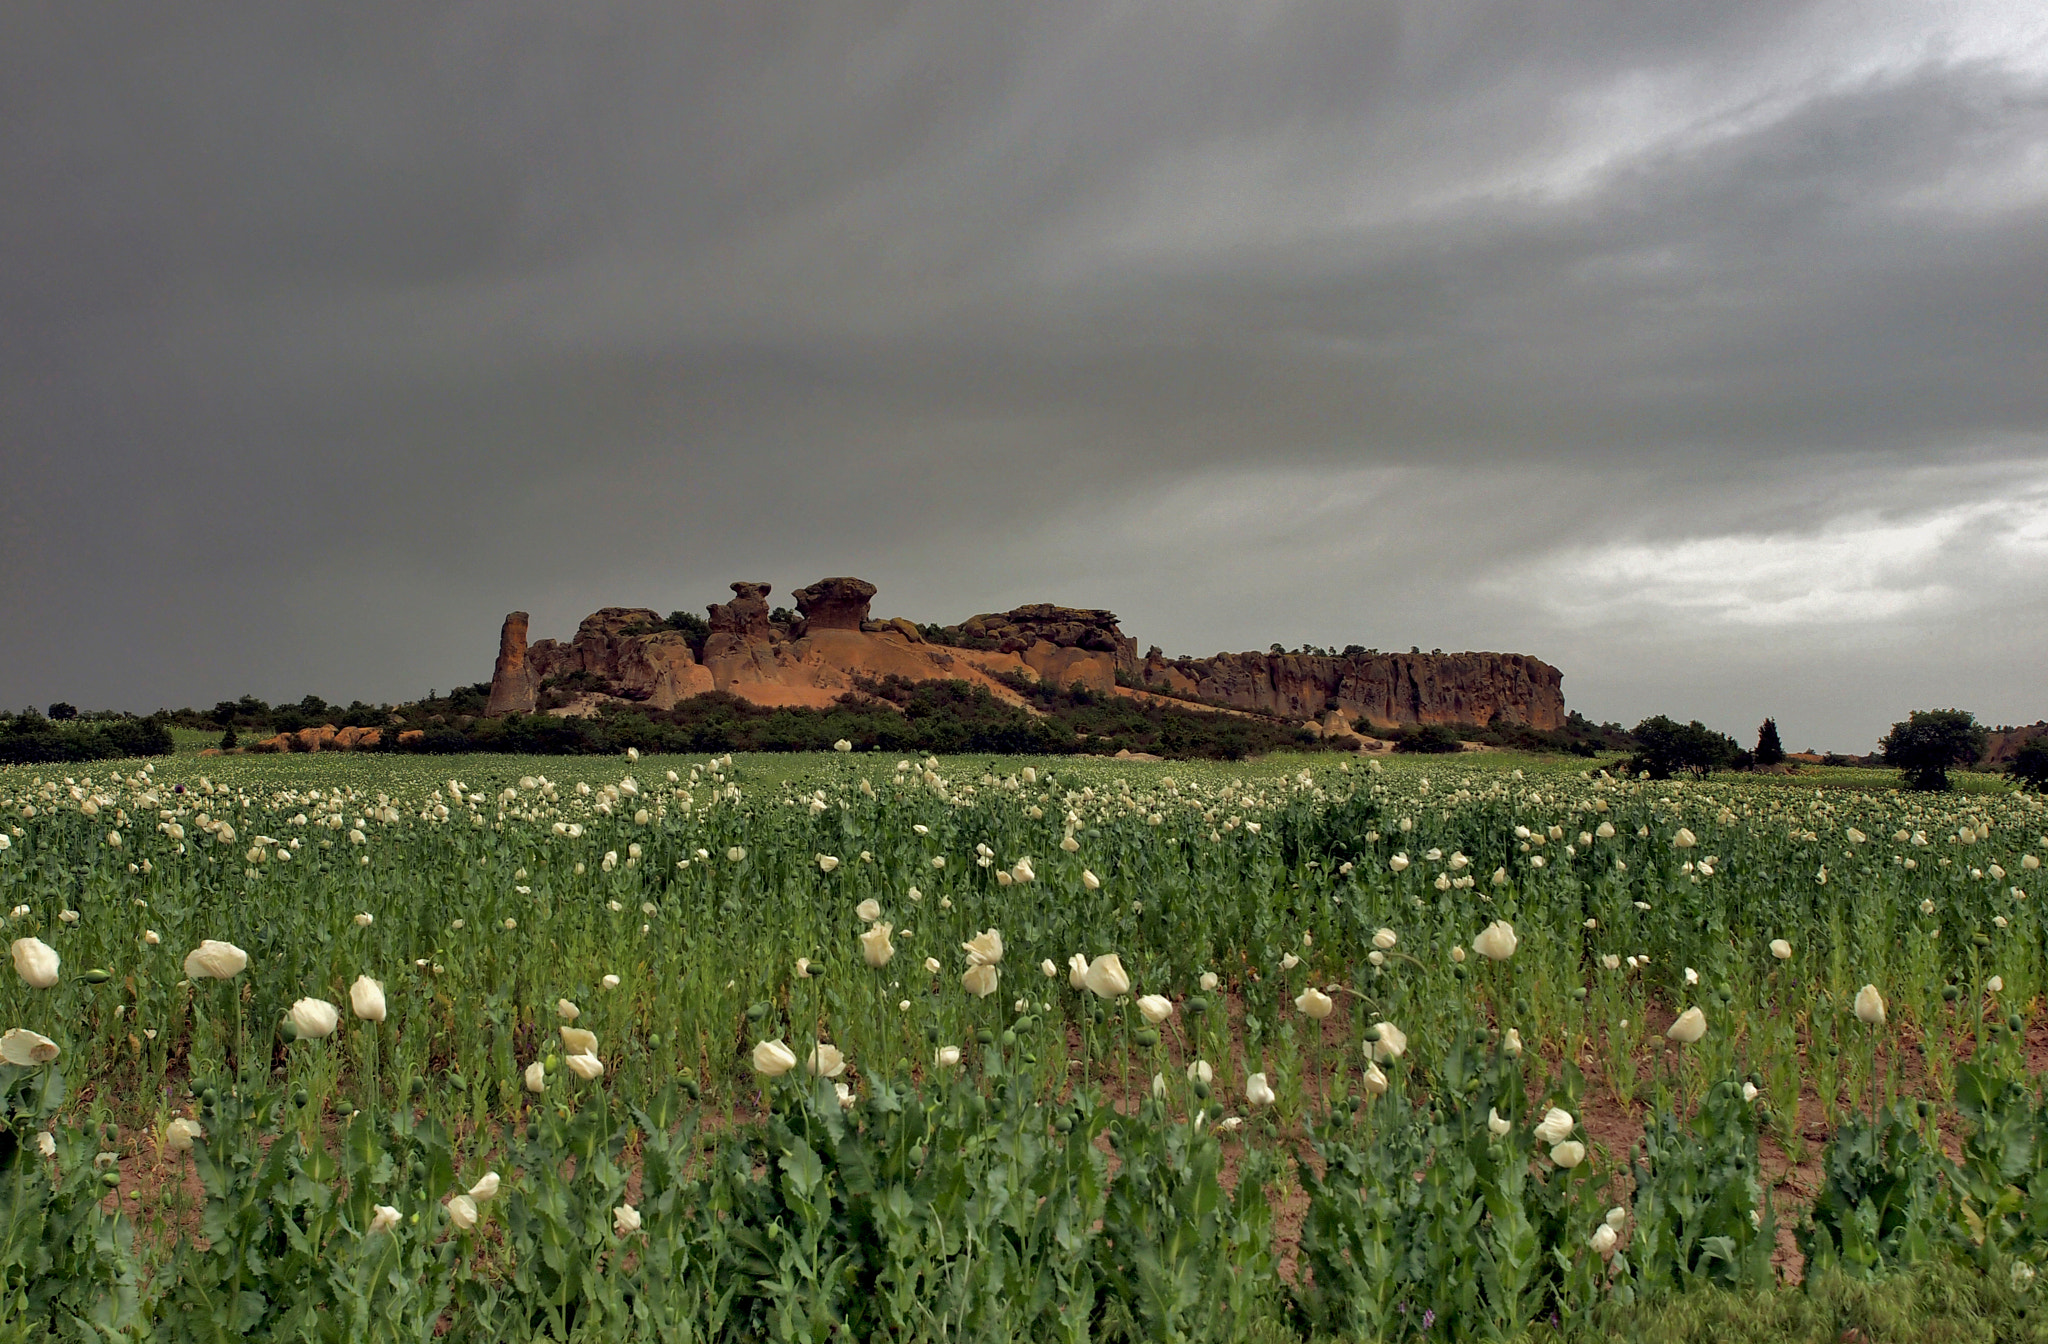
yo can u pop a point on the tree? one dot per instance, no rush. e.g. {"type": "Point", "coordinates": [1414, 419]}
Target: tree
{"type": "Point", "coordinates": [1769, 750]}
{"type": "Point", "coordinates": [63, 710]}
{"type": "Point", "coordinates": [2029, 769]}
{"type": "Point", "coordinates": [228, 740]}
{"type": "Point", "coordinates": [1665, 746]}
{"type": "Point", "coordinates": [1930, 742]}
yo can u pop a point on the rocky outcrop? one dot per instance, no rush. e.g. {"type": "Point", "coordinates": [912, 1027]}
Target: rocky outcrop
{"type": "Point", "coordinates": [1386, 689]}
{"type": "Point", "coordinates": [630, 654]}
{"type": "Point", "coordinates": [2005, 743]}
{"type": "Point", "coordinates": [1062, 645]}
{"type": "Point", "coordinates": [834, 604]}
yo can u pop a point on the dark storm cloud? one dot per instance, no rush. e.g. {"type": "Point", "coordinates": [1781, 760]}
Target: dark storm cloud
{"type": "Point", "coordinates": [1699, 349]}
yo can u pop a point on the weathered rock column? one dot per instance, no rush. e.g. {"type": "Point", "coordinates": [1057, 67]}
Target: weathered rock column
{"type": "Point", "coordinates": [512, 688]}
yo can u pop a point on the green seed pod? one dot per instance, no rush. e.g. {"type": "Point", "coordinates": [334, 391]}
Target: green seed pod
{"type": "Point", "coordinates": [1008, 1038]}
{"type": "Point", "coordinates": [931, 1032]}
{"type": "Point", "coordinates": [756, 1011]}
{"type": "Point", "coordinates": [533, 1131]}
{"type": "Point", "coordinates": [2015, 1024]}
{"type": "Point", "coordinates": [691, 1090]}
{"type": "Point", "coordinates": [1578, 992]}
{"type": "Point", "coordinates": [1949, 993]}
{"type": "Point", "coordinates": [1145, 1036]}
{"type": "Point", "coordinates": [97, 976]}
{"type": "Point", "coordinates": [984, 1037]}
{"type": "Point", "coordinates": [300, 1098]}
{"type": "Point", "coordinates": [1201, 1090]}
{"type": "Point", "coordinates": [1197, 1005]}
{"type": "Point", "coordinates": [210, 1097]}
{"type": "Point", "coordinates": [1064, 1124]}
{"type": "Point", "coordinates": [110, 1132]}
{"type": "Point", "coordinates": [1030, 1059]}
{"type": "Point", "coordinates": [654, 1041]}
{"type": "Point", "coordinates": [111, 1179]}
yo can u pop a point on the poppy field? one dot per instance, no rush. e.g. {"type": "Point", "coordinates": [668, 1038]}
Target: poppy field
{"type": "Point", "coordinates": [847, 1046]}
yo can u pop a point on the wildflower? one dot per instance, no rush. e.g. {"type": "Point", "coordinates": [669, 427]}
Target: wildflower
{"type": "Point", "coordinates": [1289, 962]}
{"type": "Point", "coordinates": [1105, 977]}
{"type": "Point", "coordinates": [180, 1134]}
{"type": "Point", "coordinates": [1209, 981]}
{"type": "Point", "coordinates": [736, 854]}
{"type": "Point", "coordinates": [314, 1018]}
{"type": "Point", "coordinates": [1511, 1042]}
{"type": "Point", "coordinates": [1497, 941]}
{"type": "Point", "coordinates": [1603, 1241]}
{"type": "Point", "coordinates": [981, 979]}
{"type": "Point", "coordinates": [610, 982]}
{"type": "Point", "coordinates": [1314, 1004]}
{"type": "Point", "coordinates": [22, 1048]}
{"type": "Point", "coordinates": [826, 1061]}
{"type": "Point", "coordinates": [1689, 1028]}
{"type": "Point", "coordinates": [827, 862]}
{"type": "Point", "coordinates": [1200, 1072]}
{"type": "Point", "coordinates": [1555, 1126]}
{"type": "Point", "coordinates": [577, 1041]}
{"type": "Point", "coordinates": [1870, 1006]}
{"type": "Point", "coordinates": [1568, 1154]}
{"type": "Point", "coordinates": [1781, 949]}
{"type": "Point", "coordinates": [773, 1059]}
{"type": "Point", "coordinates": [1399, 863]}
{"type": "Point", "coordinates": [875, 947]}
{"type": "Point", "coordinates": [986, 949]}
{"type": "Point", "coordinates": [485, 1188]}
{"type": "Point", "coordinates": [567, 1011]}
{"type": "Point", "coordinates": [366, 999]}
{"type": "Point", "coordinates": [948, 1057]}
{"type": "Point", "coordinates": [1496, 1124]}
{"type": "Point", "coordinates": [364, 919]}
{"type": "Point", "coordinates": [869, 910]}
{"type": "Point", "coordinates": [1048, 969]}
{"type": "Point", "coordinates": [1258, 1091]}
{"type": "Point", "coordinates": [384, 1219]}
{"type": "Point", "coordinates": [1386, 1041]}
{"type": "Point", "coordinates": [214, 960]}
{"type": "Point", "coordinates": [1385, 939]}
{"type": "Point", "coordinates": [1375, 1081]}
{"type": "Point", "coordinates": [1090, 880]}
{"type": "Point", "coordinates": [1685, 839]}
{"type": "Point", "coordinates": [536, 1077]}
{"type": "Point", "coordinates": [931, 964]}
{"type": "Point", "coordinates": [36, 962]}
{"type": "Point", "coordinates": [462, 1212]}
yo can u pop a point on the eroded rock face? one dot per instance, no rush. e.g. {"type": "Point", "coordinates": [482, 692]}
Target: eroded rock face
{"type": "Point", "coordinates": [1387, 689]}
{"type": "Point", "coordinates": [834, 604]}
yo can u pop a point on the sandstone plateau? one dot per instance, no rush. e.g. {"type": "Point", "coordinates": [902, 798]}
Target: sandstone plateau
{"type": "Point", "coordinates": [631, 655]}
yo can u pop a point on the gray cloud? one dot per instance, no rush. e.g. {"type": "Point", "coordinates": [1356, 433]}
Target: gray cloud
{"type": "Point", "coordinates": [1698, 349]}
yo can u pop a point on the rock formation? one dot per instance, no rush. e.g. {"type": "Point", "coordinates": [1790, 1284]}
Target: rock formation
{"type": "Point", "coordinates": [511, 687]}
{"type": "Point", "coordinates": [834, 604]}
{"type": "Point", "coordinates": [1386, 689]}
{"type": "Point", "coordinates": [630, 654]}
{"type": "Point", "coordinates": [2004, 743]}
{"type": "Point", "coordinates": [1062, 645]}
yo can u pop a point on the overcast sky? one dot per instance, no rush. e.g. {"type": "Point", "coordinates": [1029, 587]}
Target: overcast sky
{"type": "Point", "coordinates": [1698, 349]}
